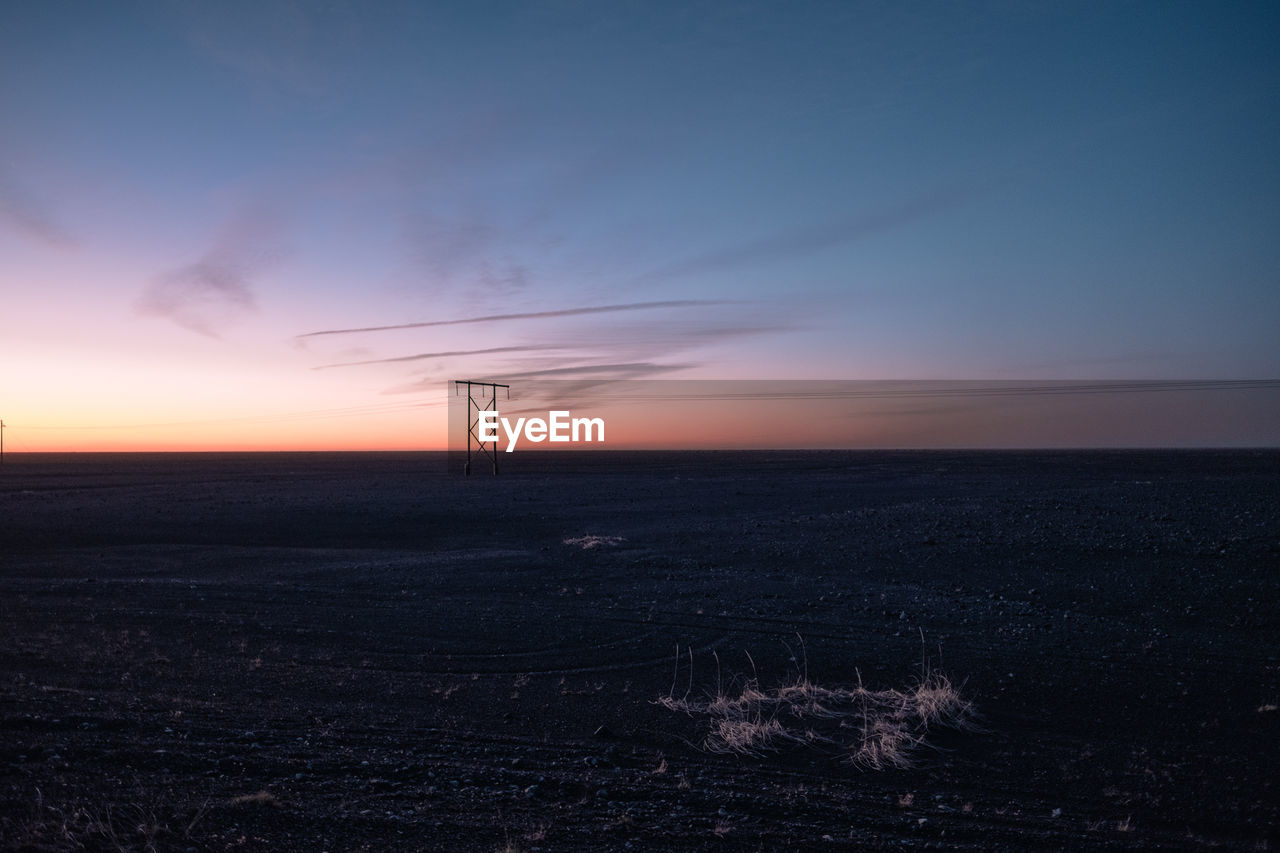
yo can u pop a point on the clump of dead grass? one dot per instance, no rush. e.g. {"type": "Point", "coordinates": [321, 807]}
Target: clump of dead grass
{"type": "Point", "coordinates": [260, 798]}
{"type": "Point", "coordinates": [874, 729]}
{"type": "Point", "coordinates": [586, 543]}
{"type": "Point", "coordinates": [65, 822]}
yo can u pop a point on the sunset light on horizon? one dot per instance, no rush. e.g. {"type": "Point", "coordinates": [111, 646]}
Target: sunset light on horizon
{"type": "Point", "coordinates": [279, 226]}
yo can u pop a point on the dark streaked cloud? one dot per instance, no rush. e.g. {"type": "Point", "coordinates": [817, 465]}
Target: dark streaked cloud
{"type": "Point", "coordinates": [427, 356]}
{"type": "Point", "coordinates": [906, 389]}
{"type": "Point", "coordinates": [589, 352]}
{"type": "Point", "coordinates": [527, 315]}
{"type": "Point", "coordinates": [673, 336]}
{"type": "Point", "coordinates": [581, 379]}
{"type": "Point", "coordinates": [601, 372]}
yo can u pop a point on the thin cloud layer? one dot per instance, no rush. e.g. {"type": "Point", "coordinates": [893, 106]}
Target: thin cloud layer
{"type": "Point", "coordinates": [527, 315]}
{"type": "Point", "coordinates": [202, 297]}
{"type": "Point", "coordinates": [430, 356]}
{"type": "Point", "coordinates": [284, 47]}
{"type": "Point", "coordinates": [213, 292]}
{"type": "Point", "coordinates": [577, 382]}
{"type": "Point", "coordinates": [595, 350]}
{"type": "Point", "coordinates": [20, 211]}
{"type": "Point", "coordinates": [803, 241]}
{"type": "Point", "coordinates": [448, 249]}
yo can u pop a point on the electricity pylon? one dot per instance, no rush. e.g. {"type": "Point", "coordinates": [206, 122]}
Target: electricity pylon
{"type": "Point", "coordinates": [489, 399]}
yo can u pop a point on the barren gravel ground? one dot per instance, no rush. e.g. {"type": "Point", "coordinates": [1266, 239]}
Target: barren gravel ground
{"type": "Point", "coordinates": [360, 652]}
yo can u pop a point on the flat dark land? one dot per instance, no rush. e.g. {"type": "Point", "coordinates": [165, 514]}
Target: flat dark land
{"type": "Point", "coordinates": [358, 651]}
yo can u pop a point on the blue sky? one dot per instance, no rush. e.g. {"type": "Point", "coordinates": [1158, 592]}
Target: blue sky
{"type": "Point", "coordinates": [820, 190]}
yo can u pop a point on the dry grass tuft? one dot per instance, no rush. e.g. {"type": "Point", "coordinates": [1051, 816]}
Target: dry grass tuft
{"type": "Point", "coordinates": [586, 543]}
{"type": "Point", "coordinates": [875, 729]}
{"type": "Point", "coordinates": [152, 824]}
{"type": "Point", "coordinates": [261, 798]}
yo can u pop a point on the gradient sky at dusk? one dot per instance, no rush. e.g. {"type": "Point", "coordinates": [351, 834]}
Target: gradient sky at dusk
{"type": "Point", "coordinates": [191, 191]}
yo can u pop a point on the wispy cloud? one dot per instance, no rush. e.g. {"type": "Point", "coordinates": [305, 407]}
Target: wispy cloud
{"type": "Point", "coordinates": [447, 248]}
{"type": "Point", "coordinates": [277, 45]}
{"type": "Point", "coordinates": [21, 211]}
{"type": "Point", "coordinates": [214, 291]}
{"type": "Point", "coordinates": [601, 372]}
{"type": "Point", "coordinates": [429, 356]}
{"type": "Point", "coordinates": [574, 380]}
{"type": "Point", "coordinates": [200, 296]}
{"type": "Point", "coordinates": [802, 241]}
{"type": "Point", "coordinates": [526, 315]}
{"type": "Point", "coordinates": [1125, 362]}
{"type": "Point", "coordinates": [587, 353]}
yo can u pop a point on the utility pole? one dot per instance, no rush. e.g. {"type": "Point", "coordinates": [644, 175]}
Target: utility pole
{"type": "Point", "coordinates": [1, 442]}
{"type": "Point", "coordinates": [488, 402]}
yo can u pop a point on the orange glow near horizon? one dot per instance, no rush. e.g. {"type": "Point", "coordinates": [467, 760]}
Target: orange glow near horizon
{"type": "Point", "coordinates": [421, 428]}
{"type": "Point", "coordinates": [680, 419]}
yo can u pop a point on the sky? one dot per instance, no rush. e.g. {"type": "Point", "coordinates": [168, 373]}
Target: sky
{"type": "Point", "coordinates": [269, 225]}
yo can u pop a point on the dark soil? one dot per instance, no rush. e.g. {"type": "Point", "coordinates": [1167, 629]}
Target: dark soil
{"type": "Point", "coordinates": [360, 652]}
